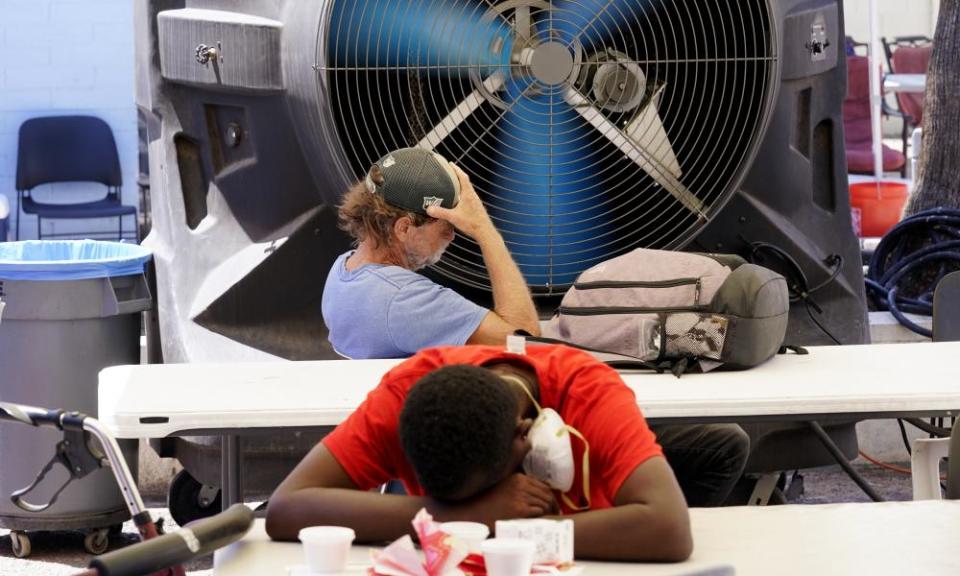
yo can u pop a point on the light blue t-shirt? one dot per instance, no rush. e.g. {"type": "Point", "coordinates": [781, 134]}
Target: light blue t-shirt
{"type": "Point", "coordinates": [381, 311]}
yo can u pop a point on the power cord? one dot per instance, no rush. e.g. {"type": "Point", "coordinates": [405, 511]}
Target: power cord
{"type": "Point", "coordinates": [891, 467]}
{"type": "Point", "coordinates": [903, 435]}
{"type": "Point", "coordinates": [797, 283]}
{"type": "Point", "coordinates": [886, 465]}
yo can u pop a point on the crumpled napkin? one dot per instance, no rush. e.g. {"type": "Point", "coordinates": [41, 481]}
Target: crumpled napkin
{"type": "Point", "coordinates": [442, 552]}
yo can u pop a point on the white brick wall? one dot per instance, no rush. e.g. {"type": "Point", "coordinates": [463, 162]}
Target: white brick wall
{"type": "Point", "coordinates": [67, 57]}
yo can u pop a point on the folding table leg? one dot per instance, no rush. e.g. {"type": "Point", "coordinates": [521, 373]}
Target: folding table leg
{"type": "Point", "coordinates": [231, 485]}
{"type": "Point", "coordinates": [837, 454]}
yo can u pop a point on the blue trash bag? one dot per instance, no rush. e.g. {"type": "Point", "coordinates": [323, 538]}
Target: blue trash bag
{"type": "Point", "coordinates": [4, 218]}
{"type": "Point", "coordinates": [47, 260]}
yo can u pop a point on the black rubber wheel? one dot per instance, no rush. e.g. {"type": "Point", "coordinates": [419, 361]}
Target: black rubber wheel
{"type": "Point", "coordinates": [97, 542]}
{"type": "Point", "coordinates": [20, 543]}
{"type": "Point", "coordinates": [184, 500]}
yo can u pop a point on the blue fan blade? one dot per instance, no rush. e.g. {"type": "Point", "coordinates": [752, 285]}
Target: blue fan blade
{"type": "Point", "coordinates": [546, 192]}
{"type": "Point", "coordinates": [592, 22]}
{"type": "Point", "coordinates": [450, 36]}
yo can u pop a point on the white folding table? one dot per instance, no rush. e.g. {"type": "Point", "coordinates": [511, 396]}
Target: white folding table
{"type": "Point", "coordinates": [895, 538]}
{"type": "Point", "coordinates": [831, 382]}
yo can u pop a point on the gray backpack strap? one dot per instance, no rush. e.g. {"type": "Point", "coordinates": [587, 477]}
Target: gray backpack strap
{"type": "Point", "coordinates": [798, 350]}
{"type": "Point", "coordinates": [677, 367]}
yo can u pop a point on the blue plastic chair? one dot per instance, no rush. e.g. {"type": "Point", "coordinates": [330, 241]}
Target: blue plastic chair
{"type": "Point", "coordinates": [70, 149]}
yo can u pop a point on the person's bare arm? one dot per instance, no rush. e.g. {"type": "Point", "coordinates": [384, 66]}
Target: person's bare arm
{"type": "Point", "coordinates": [512, 303]}
{"type": "Point", "coordinates": [319, 492]}
{"type": "Point", "coordinates": [493, 330]}
{"type": "Point", "coordinates": [649, 520]}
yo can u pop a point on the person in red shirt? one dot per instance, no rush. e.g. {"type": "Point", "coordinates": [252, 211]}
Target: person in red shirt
{"type": "Point", "coordinates": [452, 424]}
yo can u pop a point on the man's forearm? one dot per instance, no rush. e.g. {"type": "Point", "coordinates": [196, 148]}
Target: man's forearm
{"type": "Point", "coordinates": [511, 295]}
{"type": "Point", "coordinates": [634, 532]}
{"type": "Point", "coordinates": [373, 516]}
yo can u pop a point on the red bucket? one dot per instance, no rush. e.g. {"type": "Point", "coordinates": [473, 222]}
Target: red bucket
{"type": "Point", "coordinates": [877, 206]}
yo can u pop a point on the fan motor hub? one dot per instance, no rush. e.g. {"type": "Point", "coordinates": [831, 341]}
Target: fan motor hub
{"type": "Point", "coordinates": [552, 63]}
{"type": "Point", "coordinates": [619, 86]}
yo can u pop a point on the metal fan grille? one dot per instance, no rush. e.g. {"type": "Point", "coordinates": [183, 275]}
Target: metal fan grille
{"type": "Point", "coordinates": [589, 127]}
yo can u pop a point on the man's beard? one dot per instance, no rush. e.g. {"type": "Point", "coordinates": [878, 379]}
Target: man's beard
{"type": "Point", "coordinates": [418, 261]}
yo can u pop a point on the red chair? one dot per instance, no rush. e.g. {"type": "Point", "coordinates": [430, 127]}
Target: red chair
{"type": "Point", "coordinates": [909, 55]}
{"type": "Point", "coordinates": [857, 125]}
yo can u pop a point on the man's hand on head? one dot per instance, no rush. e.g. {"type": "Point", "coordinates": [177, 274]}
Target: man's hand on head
{"type": "Point", "coordinates": [513, 306]}
{"type": "Point", "coordinates": [516, 496]}
{"type": "Point", "coordinates": [469, 216]}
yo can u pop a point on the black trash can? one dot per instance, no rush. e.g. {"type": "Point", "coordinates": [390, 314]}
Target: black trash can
{"type": "Point", "coordinates": [68, 309]}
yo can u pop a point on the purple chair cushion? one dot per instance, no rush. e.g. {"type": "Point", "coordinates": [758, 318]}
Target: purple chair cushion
{"type": "Point", "coordinates": [856, 122]}
{"type": "Point", "coordinates": [860, 159]}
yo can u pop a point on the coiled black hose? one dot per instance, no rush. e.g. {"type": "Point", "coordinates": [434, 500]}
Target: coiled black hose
{"type": "Point", "coordinates": [937, 231]}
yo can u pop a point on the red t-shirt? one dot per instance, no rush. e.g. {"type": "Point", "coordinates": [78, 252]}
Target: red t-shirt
{"type": "Point", "coordinates": [588, 395]}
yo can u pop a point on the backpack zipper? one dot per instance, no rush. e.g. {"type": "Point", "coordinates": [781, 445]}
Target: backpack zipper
{"type": "Point", "coordinates": [599, 310]}
{"type": "Point", "coordinates": [638, 284]}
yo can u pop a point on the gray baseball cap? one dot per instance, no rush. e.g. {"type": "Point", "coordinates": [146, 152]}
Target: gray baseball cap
{"type": "Point", "coordinates": [413, 179]}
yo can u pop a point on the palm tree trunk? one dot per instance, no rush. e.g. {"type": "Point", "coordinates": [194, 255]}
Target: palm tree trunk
{"type": "Point", "coordinates": [938, 171]}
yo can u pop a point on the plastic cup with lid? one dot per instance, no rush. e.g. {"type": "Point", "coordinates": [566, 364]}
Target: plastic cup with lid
{"type": "Point", "coordinates": [472, 533]}
{"type": "Point", "coordinates": [326, 548]}
{"type": "Point", "coordinates": [508, 556]}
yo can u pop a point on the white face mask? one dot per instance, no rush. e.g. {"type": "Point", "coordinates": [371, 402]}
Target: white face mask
{"type": "Point", "coordinates": [550, 458]}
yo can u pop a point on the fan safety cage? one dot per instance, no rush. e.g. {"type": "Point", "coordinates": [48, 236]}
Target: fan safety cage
{"type": "Point", "coordinates": [588, 127]}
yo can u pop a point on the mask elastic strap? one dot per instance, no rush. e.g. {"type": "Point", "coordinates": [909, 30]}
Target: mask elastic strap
{"type": "Point", "coordinates": [523, 386]}
{"type": "Point", "coordinates": [586, 447]}
{"type": "Point", "coordinates": [585, 471]}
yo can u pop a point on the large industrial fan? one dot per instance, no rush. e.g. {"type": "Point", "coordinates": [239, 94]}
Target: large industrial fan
{"type": "Point", "coordinates": [589, 128]}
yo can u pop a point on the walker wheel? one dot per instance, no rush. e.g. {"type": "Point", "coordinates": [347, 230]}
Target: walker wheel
{"type": "Point", "coordinates": [97, 542]}
{"type": "Point", "coordinates": [189, 500]}
{"type": "Point", "coordinates": [20, 543]}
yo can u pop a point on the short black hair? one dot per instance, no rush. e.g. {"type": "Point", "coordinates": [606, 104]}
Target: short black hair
{"type": "Point", "coordinates": [458, 421]}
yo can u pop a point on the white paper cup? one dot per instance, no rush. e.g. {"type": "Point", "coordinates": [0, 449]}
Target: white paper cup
{"type": "Point", "coordinates": [473, 533]}
{"type": "Point", "coordinates": [326, 548]}
{"type": "Point", "coordinates": [508, 556]}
